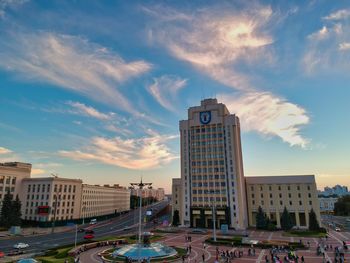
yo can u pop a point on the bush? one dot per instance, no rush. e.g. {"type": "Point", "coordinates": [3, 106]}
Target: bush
{"type": "Point", "coordinates": [271, 227]}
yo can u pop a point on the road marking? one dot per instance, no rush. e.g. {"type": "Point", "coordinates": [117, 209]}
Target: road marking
{"type": "Point", "coordinates": [341, 242]}
{"type": "Point", "coordinates": [262, 252]}
{"type": "Point", "coordinates": [270, 236]}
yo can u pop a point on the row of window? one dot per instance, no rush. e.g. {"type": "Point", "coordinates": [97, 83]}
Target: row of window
{"type": "Point", "coordinates": [7, 188]}
{"type": "Point", "coordinates": [8, 180]}
{"type": "Point", "coordinates": [46, 188]}
{"type": "Point", "coordinates": [279, 187]}
{"type": "Point", "coordinates": [57, 218]}
{"type": "Point", "coordinates": [205, 191]}
{"type": "Point", "coordinates": [206, 199]}
{"type": "Point", "coordinates": [281, 202]}
{"type": "Point", "coordinates": [217, 143]}
{"type": "Point", "coordinates": [210, 176]}
{"type": "Point", "coordinates": [205, 128]}
{"type": "Point", "coordinates": [280, 195]}
{"type": "Point", "coordinates": [207, 136]}
{"type": "Point", "coordinates": [206, 184]}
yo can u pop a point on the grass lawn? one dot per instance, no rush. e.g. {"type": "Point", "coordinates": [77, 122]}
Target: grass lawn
{"type": "Point", "coordinates": [305, 233]}
{"type": "Point", "coordinates": [57, 256]}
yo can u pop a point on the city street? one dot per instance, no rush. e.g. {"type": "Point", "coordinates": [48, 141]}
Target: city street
{"type": "Point", "coordinates": [104, 228]}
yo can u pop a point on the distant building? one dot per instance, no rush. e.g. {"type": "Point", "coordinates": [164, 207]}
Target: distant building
{"type": "Point", "coordinates": [55, 198]}
{"type": "Point", "coordinates": [157, 193]}
{"type": "Point", "coordinates": [327, 203]}
{"type": "Point", "coordinates": [11, 176]}
{"type": "Point", "coordinates": [176, 198]}
{"type": "Point", "coordinates": [297, 193]}
{"type": "Point", "coordinates": [104, 200]}
{"type": "Point", "coordinates": [337, 190]}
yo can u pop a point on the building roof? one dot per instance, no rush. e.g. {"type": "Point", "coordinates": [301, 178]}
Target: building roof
{"type": "Point", "coordinates": [281, 179]}
{"type": "Point", "coordinates": [52, 179]}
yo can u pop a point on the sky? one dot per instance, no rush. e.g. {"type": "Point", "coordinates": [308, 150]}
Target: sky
{"type": "Point", "coordinates": [95, 89]}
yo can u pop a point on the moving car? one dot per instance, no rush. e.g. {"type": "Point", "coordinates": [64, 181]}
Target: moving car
{"type": "Point", "coordinates": [2, 254]}
{"type": "Point", "coordinates": [80, 230]}
{"type": "Point", "coordinates": [15, 253]}
{"type": "Point", "coordinates": [126, 228]}
{"type": "Point", "coordinates": [89, 231]}
{"type": "Point", "coordinates": [93, 221]}
{"type": "Point", "coordinates": [20, 245]}
{"type": "Point", "coordinates": [337, 229]}
{"type": "Point", "coordinates": [89, 236]}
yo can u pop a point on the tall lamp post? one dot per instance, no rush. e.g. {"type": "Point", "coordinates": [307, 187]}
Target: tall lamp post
{"type": "Point", "coordinates": [214, 216]}
{"type": "Point", "coordinates": [140, 186]}
{"type": "Point", "coordinates": [55, 206]}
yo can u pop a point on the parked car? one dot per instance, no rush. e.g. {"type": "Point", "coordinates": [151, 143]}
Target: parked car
{"type": "Point", "coordinates": [89, 231]}
{"type": "Point", "coordinates": [89, 236]}
{"type": "Point", "coordinates": [20, 245]}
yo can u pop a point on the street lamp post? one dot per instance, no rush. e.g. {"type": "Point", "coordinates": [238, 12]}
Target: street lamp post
{"type": "Point", "coordinates": [140, 186]}
{"type": "Point", "coordinates": [55, 206]}
{"type": "Point", "coordinates": [214, 222]}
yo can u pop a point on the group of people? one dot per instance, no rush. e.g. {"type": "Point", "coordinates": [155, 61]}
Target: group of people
{"type": "Point", "coordinates": [290, 257]}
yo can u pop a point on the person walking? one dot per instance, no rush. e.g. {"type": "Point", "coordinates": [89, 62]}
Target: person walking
{"type": "Point", "coordinates": [203, 257]}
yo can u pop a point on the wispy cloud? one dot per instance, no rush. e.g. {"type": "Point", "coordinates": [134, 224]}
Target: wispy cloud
{"type": "Point", "coordinates": [72, 63]}
{"type": "Point", "coordinates": [216, 42]}
{"type": "Point", "coordinates": [82, 109]}
{"type": "Point", "coordinates": [326, 50]}
{"type": "Point", "coordinates": [37, 171]}
{"type": "Point", "coordinates": [338, 15]}
{"type": "Point", "coordinates": [165, 88]}
{"type": "Point", "coordinates": [141, 153]}
{"type": "Point", "coordinates": [4, 150]}
{"type": "Point", "coordinates": [5, 4]}
{"type": "Point", "coordinates": [269, 115]}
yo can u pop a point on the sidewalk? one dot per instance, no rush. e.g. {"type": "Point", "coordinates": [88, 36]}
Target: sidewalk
{"type": "Point", "coordinates": [35, 231]}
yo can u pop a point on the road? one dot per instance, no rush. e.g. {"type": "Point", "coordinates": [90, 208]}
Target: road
{"type": "Point", "coordinates": [104, 228]}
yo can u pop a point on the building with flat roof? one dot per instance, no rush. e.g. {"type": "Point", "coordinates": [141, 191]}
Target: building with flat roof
{"type": "Point", "coordinates": [51, 198]}
{"type": "Point", "coordinates": [104, 200]}
{"type": "Point", "coordinates": [212, 167]}
{"type": "Point", "coordinates": [297, 193]}
{"type": "Point", "coordinates": [11, 176]}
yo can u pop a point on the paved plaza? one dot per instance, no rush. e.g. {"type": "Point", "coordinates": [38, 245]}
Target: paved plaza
{"type": "Point", "coordinates": [199, 250]}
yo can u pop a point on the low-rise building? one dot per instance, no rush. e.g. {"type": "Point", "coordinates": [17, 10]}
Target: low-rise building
{"type": "Point", "coordinates": [327, 203]}
{"type": "Point", "coordinates": [11, 176]}
{"type": "Point", "coordinates": [156, 193]}
{"type": "Point", "coordinates": [104, 200]}
{"type": "Point", "coordinates": [297, 193]}
{"type": "Point", "coordinates": [51, 198]}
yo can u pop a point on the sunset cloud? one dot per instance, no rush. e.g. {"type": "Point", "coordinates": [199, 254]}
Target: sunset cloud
{"type": "Point", "coordinates": [72, 63]}
{"type": "Point", "coordinates": [269, 115]}
{"type": "Point", "coordinates": [141, 153]}
{"type": "Point", "coordinates": [4, 150]}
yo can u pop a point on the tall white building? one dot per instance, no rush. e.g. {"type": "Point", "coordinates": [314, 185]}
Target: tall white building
{"type": "Point", "coordinates": [212, 167]}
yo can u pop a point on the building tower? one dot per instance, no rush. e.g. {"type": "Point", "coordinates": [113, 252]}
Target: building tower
{"type": "Point", "coordinates": [212, 167]}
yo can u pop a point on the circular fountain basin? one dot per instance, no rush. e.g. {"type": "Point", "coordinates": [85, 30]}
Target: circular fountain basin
{"type": "Point", "coordinates": [140, 251]}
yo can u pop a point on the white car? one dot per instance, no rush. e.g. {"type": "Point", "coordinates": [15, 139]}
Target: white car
{"type": "Point", "coordinates": [20, 245]}
{"type": "Point", "coordinates": [337, 229]}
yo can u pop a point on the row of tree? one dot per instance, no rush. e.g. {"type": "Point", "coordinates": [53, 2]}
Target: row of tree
{"type": "Point", "coordinates": [287, 223]}
{"type": "Point", "coordinates": [10, 211]}
{"type": "Point", "coordinates": [342, 206]}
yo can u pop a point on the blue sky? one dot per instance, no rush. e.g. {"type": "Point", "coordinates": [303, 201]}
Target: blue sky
{"type": "Point", "coordinates": [95, 89]}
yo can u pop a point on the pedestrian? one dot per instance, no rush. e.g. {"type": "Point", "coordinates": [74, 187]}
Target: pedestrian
{"type": "Point", "coordinates": [302, 259]}
{"type": "Point", "coordinates": [190, 248]}
{"type": "Point", "coordinates": [203, 257]}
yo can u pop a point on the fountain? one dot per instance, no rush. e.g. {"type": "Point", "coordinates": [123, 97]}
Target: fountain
{"type": "Point", "coordinates": [144, 249]}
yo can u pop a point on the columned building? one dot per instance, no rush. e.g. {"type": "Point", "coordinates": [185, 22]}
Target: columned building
{"type": "Point", "coordinates": [212, 167]}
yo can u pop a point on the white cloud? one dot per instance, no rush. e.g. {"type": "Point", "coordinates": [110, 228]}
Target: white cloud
{"type": "Point", "coordinates": [324, 52]}
{"type": "Point", "coordinates": [72, 63]}
{"type": "Point", "coordinates": [82, 109]}
{"type": "Point", "coordinates": [338, 15]}
{"type": "Point", "coordinates": [165, 88]}
{"type": "Point", "coordinates": [269, 115]}
{"type": "Point", "coordinates": [4, 150]}
{"type": "Point", "coordinates": [141, 153]}
{"type": "Point", "coordinates": [344, 46]}
{"type": "Point", "coordinates": [217, 42]}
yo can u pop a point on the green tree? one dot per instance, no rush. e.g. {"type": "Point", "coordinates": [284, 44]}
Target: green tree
{"type": "Point", "coordinates": [6, 210]}
{"type": "Point", "coordinates": [16, 212]}
{"type": "Point", "coordinates": [176, 218]}
{"type": "Point", "coordinates": [313, 223]}
{"type": "Point", "coordinates": [342, 206]}
{"type": "Point", "coordinates": [286, 220]}
{"type": "Point", "coordinates": [261, 219]}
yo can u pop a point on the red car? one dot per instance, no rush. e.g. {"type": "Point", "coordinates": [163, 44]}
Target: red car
{"type": "Point", "coordinates": [2, 254]}
{"type": "Point", "coordinates": [89, 236]}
